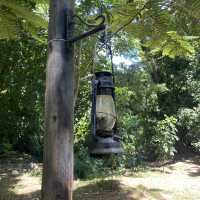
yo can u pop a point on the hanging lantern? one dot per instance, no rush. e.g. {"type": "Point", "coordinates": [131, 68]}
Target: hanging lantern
{"type": "Point", "coordinates": [104, 118]}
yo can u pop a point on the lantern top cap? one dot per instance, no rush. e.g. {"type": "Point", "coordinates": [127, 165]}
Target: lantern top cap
{"type": "Point", "coordinates": [103, 74]}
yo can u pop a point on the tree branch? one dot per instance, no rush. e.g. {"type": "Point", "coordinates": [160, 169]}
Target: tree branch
{"type": "Point", "coordinates": [130, 20]}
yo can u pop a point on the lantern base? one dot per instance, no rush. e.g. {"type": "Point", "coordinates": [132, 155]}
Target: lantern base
{"type": "Point", "coordinates": [105, 146]}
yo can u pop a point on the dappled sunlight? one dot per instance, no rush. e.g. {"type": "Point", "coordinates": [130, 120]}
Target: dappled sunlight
{"type": "Point", "coordinates": [194, 171]}
{"type": "Point", "coordinates": [19, 187]}
{"type": "Point", "coordinates": [117, 189]}
{"type": "Point", "coordinates": [181, 181]}
{"type": "Point", "coordinates": [16, 178]}
{"type": "Point", "coordinates": [173, 181]}
{"type": "Point", "coordinates": [27, 184]}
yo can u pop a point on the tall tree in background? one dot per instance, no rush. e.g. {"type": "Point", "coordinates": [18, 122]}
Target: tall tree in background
{"type": "Point", "coordinates": [58, 139]}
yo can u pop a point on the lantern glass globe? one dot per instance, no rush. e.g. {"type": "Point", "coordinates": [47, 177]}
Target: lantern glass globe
{"type": "Point", "coordinates": [105, 113]}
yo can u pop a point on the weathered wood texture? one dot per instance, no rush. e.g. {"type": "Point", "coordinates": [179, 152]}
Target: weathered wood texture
{"type": "Point", "coordinates": [57, 180]}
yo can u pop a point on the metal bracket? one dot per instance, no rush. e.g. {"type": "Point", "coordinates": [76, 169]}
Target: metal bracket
{"type": "Point", "coordinates": [95, 28]}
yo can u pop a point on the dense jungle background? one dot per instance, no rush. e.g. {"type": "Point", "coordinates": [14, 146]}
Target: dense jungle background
{"type": "Point", "coordinates": [155, 47]}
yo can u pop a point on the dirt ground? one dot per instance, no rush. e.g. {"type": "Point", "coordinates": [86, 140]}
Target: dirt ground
{"type": "Point", "coordinates": [179, 180]}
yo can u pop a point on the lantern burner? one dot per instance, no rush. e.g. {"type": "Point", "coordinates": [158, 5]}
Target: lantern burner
{"type": "Point", "coordinates": [106, 145]}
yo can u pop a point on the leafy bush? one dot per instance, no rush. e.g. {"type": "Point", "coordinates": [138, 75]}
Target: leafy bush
{"type": "Point", "coordinates": [87, 167]}
{"type": "Point", "coordinates": [22, 94]}
{"type": "Point", "coordinates": [189, 128]}
{"type": "Point", "coordinates": [83, 166]}
{"type": "Point", "coordinates": [82, 131]}
{"type": "Point", "coordinates": [165, 137]}
{"type": "Point", "coordinates": [5, 148]}
{"type": "Point", "coordinates": [132, 133]}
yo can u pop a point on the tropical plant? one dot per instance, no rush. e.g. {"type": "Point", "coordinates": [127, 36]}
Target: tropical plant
{"type": "Point", "coordinates": [19, 17]}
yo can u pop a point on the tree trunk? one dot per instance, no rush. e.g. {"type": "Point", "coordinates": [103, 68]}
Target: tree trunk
{"type": "Point", "coordinates": [59, 99]}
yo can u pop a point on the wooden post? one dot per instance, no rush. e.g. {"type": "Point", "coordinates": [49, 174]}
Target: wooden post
{"type": "Point", "coordinates": [58, 140]}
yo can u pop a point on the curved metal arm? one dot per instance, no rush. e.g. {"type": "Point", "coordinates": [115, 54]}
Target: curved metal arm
{"type": "Point", "coordinates": [95, 28]}
{"type": "Point", "coordinates": [102, 17]}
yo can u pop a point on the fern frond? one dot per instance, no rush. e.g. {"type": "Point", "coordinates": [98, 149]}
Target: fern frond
{"type": "Point", "coordinates": [10, 15]}
{"type": "Point", "coordinates": [24, 13]}
{"type": "Point", "coordinates": [8, 26]}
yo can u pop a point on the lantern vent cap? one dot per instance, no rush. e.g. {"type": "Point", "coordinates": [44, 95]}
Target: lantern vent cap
{"type": "Point", "coordinates": [103, 74]}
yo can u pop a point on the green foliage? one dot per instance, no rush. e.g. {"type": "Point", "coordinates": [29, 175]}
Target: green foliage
{"type": "Point", "coordinates": [22, 70]}
{"type": "Point", "coordinates": [5, 148]}
{"type": "Point", "coordinates": [181, 78]}
{"type": "Point", "coordinates": [193, 78]}
{"type": "Point", "coordinates": [131, 131]}
{"type": "Point", "coordinates": [159, 25]}
{"type": "Point", "coordinates": [85, 166]}
{"type": "Point", "coordinates": [157, 100]}
{"type": "Point", "coordinates": [16, 15]}
{"type": "Point", "coordinates": [189, 127]}
{"type": "Point", "coordinates": [165, 137]}
{"type": "Point", "coordinates": [175, 45]}
{"type": "Point", "coordinates": [81, 132]}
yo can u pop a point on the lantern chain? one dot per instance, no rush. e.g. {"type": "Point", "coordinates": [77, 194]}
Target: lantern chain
{"type": "Point", "coordinates": [107, 40]}
{"type": "Point", "coordinates": [111, 59]}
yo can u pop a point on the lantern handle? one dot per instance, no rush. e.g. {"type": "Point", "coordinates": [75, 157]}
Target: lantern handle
{"type": "Point", "coordinates": [106, 40]}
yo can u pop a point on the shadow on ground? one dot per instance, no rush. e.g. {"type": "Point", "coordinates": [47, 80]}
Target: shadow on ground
{"type": "Point", "coordinates": [11, 169]}
{"type": "Point", "coordinates": [8, 183]}
{"type": "Point", "coordinates": [172, 180]}
{"type": "Point", "coordinates": [194, 170]}
{"type": "Point", "coordinates": [114, 190]}
{"type": "Point", "coordinates": [12, 196]}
